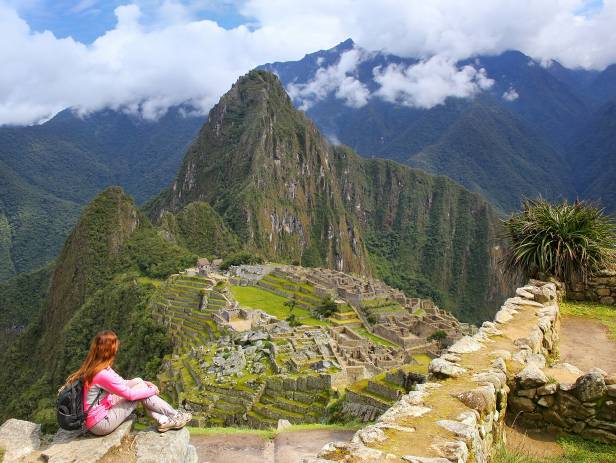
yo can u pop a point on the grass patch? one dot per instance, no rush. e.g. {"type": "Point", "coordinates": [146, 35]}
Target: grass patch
{"type": "Point", "coordinates": [577, 450]}
{"type": "Point", "coordinates": [271, 433]}
{"type": "Point", "coordinates": [362, 331]}
{"type": "Point", "coordinates": [352, 426]}
{"type": "Point", "coordinates": [272, 304]}
{"type": "Point", "coordinates": [603, 313]}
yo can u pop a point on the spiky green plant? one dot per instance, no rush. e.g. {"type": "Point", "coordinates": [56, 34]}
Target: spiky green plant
{"type": "Point", "coordinates": [569, 241]}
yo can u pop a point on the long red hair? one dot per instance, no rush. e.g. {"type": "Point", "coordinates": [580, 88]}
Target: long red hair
{"type": "Point", "coordinates": [103, 350]}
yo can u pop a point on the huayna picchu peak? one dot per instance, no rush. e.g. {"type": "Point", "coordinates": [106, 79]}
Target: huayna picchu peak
{"type": "Point", "coordinates": [290, 195]}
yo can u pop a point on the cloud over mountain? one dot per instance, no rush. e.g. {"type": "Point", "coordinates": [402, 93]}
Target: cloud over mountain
{"type": "Point", "coordinates": [145, 65]}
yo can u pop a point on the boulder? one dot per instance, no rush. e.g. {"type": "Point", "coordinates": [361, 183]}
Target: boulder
{"type": "Point", "coordinates": [18, 438]}
{"type": "Point", "coordinates": [548, 389]}
{"type": "Point", "coordinates": [452, 450]}
{"type": "Point", "coordinates": [67, 447]}
{"type": "Point", "coordinates": [525, 293]}
{"type": "Point", "coordinates": [465, 345]}
{"type": "Point", "coordinates": [531, 377]}
{"type": "Point", "coordinates": [590, 387]}
{"type": "Point", "coordinates": [522, 404]}
{"type": "Point", "coordinates": [413, 459]}
{"type": "Point", "coordinates": [482, 399]}
{"type": "Point", "coordinates": [168, 447]}
{"type": "Point", "coordinates": [441, 368]}
{"type": "Point", "coordinates": [283, 424]}
{"type": "Point", "coordinates": [463, 430]}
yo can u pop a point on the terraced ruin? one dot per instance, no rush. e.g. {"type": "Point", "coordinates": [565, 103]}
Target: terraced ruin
{"type": "Point", "coordinates": [258, 344]}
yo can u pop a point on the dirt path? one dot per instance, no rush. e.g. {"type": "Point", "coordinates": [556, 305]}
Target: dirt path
{"type": "Point", "coordinates": [586, 344]}
{"type": "Point", "coordinates": [287, 447]}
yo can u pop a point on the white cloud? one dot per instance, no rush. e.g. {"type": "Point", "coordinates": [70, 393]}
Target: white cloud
{"type": "Point", "coordinates": [557, 29]}
{"type": "Point", "coordinates": [338, 79]}
{"type": "Point", "coordinates": [430, 82]}
{"type": "Point", "coordinates": [511, 94]}
{"type": "Point", "coordinates": [150, 61]}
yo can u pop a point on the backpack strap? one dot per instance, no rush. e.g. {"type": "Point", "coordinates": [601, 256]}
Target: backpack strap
{"type": "Point", "coordinates": [96, 399]}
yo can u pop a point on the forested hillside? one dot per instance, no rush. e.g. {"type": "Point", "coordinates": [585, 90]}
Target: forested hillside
{"type": "Point", "coordinates": [49, 172]}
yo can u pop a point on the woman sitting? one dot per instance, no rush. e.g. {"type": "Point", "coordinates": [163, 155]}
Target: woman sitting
{"type": "Point", "coordinates": [109, 399]}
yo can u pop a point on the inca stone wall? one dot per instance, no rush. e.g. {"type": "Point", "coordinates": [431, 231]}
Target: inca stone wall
{"type": "Point", "coordinates": [459, 413]}
{"type": "Point", "coordinates": [601, 288]}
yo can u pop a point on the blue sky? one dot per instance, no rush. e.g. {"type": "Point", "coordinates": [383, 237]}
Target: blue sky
{"type": "Point", "coordinates": [85, 20]}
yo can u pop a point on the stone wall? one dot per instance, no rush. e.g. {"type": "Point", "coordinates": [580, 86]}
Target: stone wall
{"type": "Point", "coordinates": [459, 414]}
{"type": "Point", "coordinates": [586, 406]}
{"type": "Point", "coordinates": [601, 288]}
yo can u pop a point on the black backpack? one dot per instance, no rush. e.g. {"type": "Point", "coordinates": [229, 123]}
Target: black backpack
{"type": "Point", "coordinates": [69, 408]}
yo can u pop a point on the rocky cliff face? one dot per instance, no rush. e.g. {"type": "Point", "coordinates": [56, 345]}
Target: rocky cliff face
{"type": "Point", "coordinates": [269, 173]}
{"type": "Point", "coordinates": [289, 194]}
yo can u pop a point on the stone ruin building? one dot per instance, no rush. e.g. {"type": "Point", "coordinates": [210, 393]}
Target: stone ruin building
{"type": "Point", "coordinates": [234, 365]}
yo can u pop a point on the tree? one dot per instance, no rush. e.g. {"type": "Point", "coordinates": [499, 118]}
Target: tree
{"type": "Point", "coordinates": [293, 321]}
{"type": "Point", "coordinates": [569, 241]}
{"type": "Point", "coordinates": [439, 336]}
{"type": "Point", "coordinates": [291, 303]}
{"type": "Point", "coordinates": [241, 258]}
{"type": "Point", "coordinates": [327, 308]}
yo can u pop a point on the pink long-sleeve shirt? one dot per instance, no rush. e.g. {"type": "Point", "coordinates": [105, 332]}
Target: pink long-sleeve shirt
{"type": "Point", "coordinates": [116, 387]}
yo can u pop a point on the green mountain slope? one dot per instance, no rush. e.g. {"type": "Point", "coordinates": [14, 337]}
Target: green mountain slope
{"type": "Point", "coordinates": [287, 193]}
{"type": "Point", "coordinates": [50, 171]}
{"type": "Point", "coordinates": [594, 158]}
{"type": "Point", "coordinates": [103, 279]}
{"type": "Point", "coordinates": [268, 172]}
{"type": "Point", "coordinates": [489, 151]}
{"type": "Point", "coordinates": [21, 300]}
{"type": "Point", "coordinates": [32, 221]}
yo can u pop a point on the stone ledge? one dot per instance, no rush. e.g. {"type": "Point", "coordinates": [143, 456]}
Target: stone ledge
{"type": "Point", "coordinates": [18, 438]}
{"type": "Point", "coordinates": [21, 441]}
{"type": "Point", "coordinates": [460, 414]}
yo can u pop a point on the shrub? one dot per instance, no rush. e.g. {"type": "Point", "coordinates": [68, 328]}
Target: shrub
{"type": "Point", "coordinates": [327, 307]}
{"type": "Point", "coordinates": [241, 258]}
{"type": "Point", "coordinates": [569, 241]}
{"type": "Point", "coordinates": [291, 303]}
{"type": "Point", "coordinates": [438, 335]}
{"type": "Point", "coordinates": [293, 321]}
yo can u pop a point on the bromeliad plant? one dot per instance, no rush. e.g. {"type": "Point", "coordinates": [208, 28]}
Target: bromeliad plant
{"type": "Point", "coordinates": [569, 241]}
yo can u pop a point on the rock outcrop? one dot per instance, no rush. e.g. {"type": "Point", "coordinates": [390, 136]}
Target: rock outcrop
{"type": "Point", "coordinates": [21, 442]}
{"type": "Point", "coordinates": [19, 438]}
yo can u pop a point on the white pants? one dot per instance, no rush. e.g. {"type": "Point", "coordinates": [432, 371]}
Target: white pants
{"type": "Point", "coordinates": [155, 407]}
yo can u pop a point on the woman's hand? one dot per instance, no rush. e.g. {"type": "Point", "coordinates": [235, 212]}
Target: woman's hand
{"type": "Point", "coordinates": [153, 386]}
